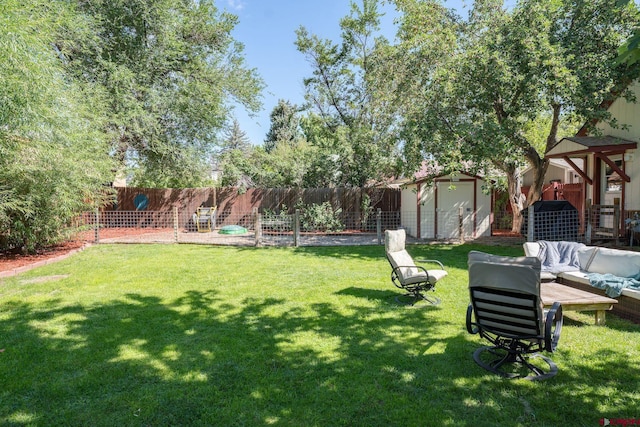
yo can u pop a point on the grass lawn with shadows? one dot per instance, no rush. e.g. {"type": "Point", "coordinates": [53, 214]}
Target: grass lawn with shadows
{"type": "Point", "coordinates": [204, 335]}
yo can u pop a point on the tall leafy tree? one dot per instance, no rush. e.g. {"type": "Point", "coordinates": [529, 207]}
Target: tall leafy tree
{"type": "Point", "coordinates": [232, 158]}
{"type": "Point", "coordinates": [53, 162]}
{"type": "Point", "coordinates": [237, 167]}
{"type": "Point", "coordinates": [325, 165]}
{"type": "Point", "coordinates": [284, 158]}
{"type": "Point", "coordinates": [478, 85]}
{"type": "Point", "coordinates": [171, 71]}
{"type": "Point", "coordinates": [285, 126]}
{"type": "Point", "coordinates": [281, 162]}
{"type": "Point", "coordinates": [285, 165]}
{"type": "Point", "coordinates": [341, 95]}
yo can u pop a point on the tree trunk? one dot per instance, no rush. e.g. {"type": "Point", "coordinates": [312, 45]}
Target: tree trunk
{"type": "Point", "coordinates": [540, 165]}
{"type": "Point", "coordinates": [535, 191]}
{"type": "Point", "coordinates": [516, 198]}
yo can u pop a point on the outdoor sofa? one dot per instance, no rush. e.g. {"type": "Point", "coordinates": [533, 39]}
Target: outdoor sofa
{"type": "Point", "coordinates": [603, 271]}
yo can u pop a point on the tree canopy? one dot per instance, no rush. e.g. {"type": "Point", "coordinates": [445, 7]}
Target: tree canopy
{"type": "Point", "coordinates": [285, 126]}
{"type": "Point", "coordinates": [471, 90]}
{"type": "Point", "coordinates": [53, 157]}
{"type": "Point", "coordinates": [630, 50]}
{"type": "Point", "coordinates": [90, 89]}
{"type": "Point", "coordinates": [171, 73]}
{"type": "Point", "coordinates": [348, 122]}
{"type": "Point", "coordinates": [283, 160]}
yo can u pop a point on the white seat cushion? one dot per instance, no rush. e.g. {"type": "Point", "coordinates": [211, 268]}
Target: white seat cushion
{"type": "Point", "coordinates": [585, 256]}
{"type": "Point", "coordinates": [435, 275]}
{"type": "Point", "coordinates": [531, 248]}
{"type": "Point", "coordinates": [575, 276]}
{"type": "Point", "coordinates": [407, 271]}
{"type": "Point", "coordinates": [615, 261]}
{"type": "Point", "coordinates": [420, 276]}
{"type": "Point", "coordinates": [394, 240]}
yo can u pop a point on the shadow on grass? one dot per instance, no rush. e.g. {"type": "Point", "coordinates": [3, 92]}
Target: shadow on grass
{"type": "Point", "coordinates": [455, 254]}
{"type": "Point", "coordinates": [199, 360]}
{"type": "Point", "coordinates": [388, 297]}
{"type": "Point", "coordinates": [369, 294]}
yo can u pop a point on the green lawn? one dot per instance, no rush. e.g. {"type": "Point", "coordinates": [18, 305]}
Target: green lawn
{"type": "Point", "coordinates": [160, 335]}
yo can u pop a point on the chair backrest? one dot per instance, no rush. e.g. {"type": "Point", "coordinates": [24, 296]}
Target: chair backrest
{"type": "Point", "coordinates": [394, 240]}
{"type": "Point", "coordinates": [505, 294]}
{"type": "Point", "coordinates": [399, 258]}
{"type": "Point", "coordinates": [205, 212]}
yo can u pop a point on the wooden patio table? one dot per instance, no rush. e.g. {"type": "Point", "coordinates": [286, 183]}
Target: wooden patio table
{"type": "Point", "coordinates": [576, 300]}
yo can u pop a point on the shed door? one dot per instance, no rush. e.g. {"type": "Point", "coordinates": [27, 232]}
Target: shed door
{"type": "Point", "coordinates": [450, 201]}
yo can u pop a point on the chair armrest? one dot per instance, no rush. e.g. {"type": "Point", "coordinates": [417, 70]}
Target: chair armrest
{"type": "Point", "coordinates": [553, 327]}
{"type": "Point", "coordinates": [402, 281]}
{"type": "Point", "coordinates": [432, 261]}
{"type": "Point", "coordinates": [419, 267]}
{"type": "Point", "coordinates": [472, 327]}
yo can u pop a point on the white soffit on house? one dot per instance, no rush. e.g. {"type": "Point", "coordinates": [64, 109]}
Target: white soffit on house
{"type": "Point", "coordinates": [586, 144]}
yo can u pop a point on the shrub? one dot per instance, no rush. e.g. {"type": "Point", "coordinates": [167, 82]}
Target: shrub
{"type": "Point", "coordinates": [280, 221]}
{"type": "Point", "coordinates": [321, 217]}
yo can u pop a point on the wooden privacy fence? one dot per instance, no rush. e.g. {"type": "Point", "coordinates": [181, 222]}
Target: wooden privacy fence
{"type": "Point", "coordinates": [573, 193]}
{"type": "Point", "coordinates": [230, 200]}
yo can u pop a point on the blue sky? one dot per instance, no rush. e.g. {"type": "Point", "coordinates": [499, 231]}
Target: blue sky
{"type": "Point", "coordinates": [267, 30]}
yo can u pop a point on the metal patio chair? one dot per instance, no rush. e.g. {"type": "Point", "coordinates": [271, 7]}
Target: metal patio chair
{"type": "Point", "coordinates": [205, 219]}
{"type": "Point", "coordinates": [406, 275]}
{"type": "Point", "coordinates": [506, 309]}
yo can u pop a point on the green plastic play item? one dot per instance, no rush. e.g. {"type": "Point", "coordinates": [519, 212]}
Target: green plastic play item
{"type": "Point", "coordinates": [233, 229]}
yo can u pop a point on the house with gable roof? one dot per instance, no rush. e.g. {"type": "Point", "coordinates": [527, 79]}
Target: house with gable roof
{"type": "Point", "coordinates": [607, 161]}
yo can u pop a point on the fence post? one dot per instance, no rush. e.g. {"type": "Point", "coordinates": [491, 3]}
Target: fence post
{"type": "Point", "coordinates": [379, 225]}
{"type": "Point", "coordinates": [616, 224]}
{"type": "Point", "coordinates": [96, 227]}
{"type": "Point", "coordinates": [461, 224]}
{"type": "Point", "coordinates": [588, 230]}
{"type": "Point", "coordinates": [258, 226]}
{"type": "Point", "coordinates": [531, 224]}
{"type": "Point", "coordinates": [175, 224]}
{"type": "Point", "coordinates": [296, 228]}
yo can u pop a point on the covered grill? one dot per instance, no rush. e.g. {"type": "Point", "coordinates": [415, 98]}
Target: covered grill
{"type": "Point", "coordinates": [552, 220]}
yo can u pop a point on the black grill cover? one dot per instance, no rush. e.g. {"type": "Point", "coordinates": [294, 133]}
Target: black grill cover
{"type": "Point", "coordinates": [553, 220]}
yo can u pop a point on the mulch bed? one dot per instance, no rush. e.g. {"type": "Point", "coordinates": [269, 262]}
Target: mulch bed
{"type": "Point", "coordinates": [10, 261]}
